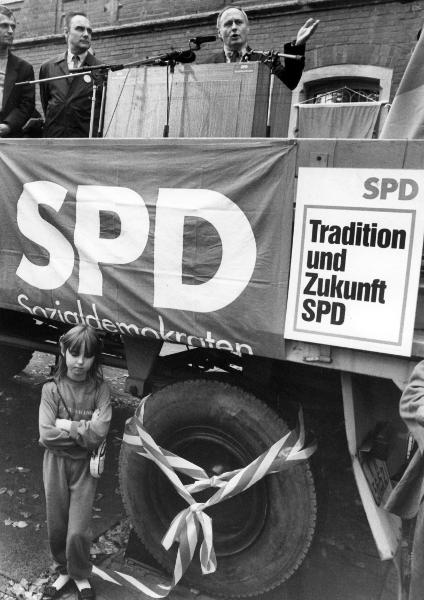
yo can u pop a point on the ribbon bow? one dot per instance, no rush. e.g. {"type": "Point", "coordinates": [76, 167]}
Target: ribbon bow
{"type": "Point", "coordinates": [186, 525]}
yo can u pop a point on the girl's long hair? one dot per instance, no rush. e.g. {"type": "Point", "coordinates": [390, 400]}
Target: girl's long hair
{"type": "Point", "coordinates": [81, 336]}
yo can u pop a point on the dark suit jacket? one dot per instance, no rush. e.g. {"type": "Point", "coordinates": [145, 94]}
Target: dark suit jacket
{"type": "Point", "coordinates": [409, 492]}
{"type": "Point", "coordinates": [288, 72]}
{"type": "Point", "coordinates": [67, 102]}
{"type": "Point", "coordinates": [406, 498]}
{"type": "Point", "coordinates": [18, 102]}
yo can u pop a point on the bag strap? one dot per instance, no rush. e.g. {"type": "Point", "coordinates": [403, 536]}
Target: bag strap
{"type": "Point", "coordinates": [63, 402]}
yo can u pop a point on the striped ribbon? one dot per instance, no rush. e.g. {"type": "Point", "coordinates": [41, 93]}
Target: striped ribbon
{"type": "Point", "coordinates": [187, 524]}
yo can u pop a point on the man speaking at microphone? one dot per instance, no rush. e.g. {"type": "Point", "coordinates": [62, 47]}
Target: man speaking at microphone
{"type": "Point", "coordinates": [233, 30]}
{"type": "Point", "coordinates": [67, 102]}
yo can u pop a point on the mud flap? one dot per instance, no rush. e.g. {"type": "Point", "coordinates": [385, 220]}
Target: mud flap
{"type": "Point", "coordinates": [386, 528]}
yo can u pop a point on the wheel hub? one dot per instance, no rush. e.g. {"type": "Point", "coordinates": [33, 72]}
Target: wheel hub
{"type": "Point", "coordinates": [238, 521]}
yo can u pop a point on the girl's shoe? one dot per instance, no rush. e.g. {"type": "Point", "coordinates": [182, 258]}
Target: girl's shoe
{"type": "Point", "coordinates": [50, 592]}
{"type": "Point", "coordinates": [87, 593]}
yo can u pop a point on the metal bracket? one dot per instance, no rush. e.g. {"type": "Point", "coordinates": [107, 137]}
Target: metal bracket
{"type": "Point", "coordinates": [141, 355]}
{"type": "Point", "coordinates": [318, 353]}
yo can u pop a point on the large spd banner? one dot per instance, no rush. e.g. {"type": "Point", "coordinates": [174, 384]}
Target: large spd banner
{"type": "Point", "coordinates": [182, 240]}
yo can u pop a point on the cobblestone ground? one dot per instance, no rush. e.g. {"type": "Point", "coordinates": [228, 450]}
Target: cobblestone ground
{"type": "Point", "coordinates": [342, 564]}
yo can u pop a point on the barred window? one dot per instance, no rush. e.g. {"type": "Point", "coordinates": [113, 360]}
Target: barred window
{"type": "Point", "coordinates": [341, 89]}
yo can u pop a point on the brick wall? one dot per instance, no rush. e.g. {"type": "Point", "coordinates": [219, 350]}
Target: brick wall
{"type": "Point", "coordinates": [352, 32]}
{"type": "Point", "coordinates": [41, 17]}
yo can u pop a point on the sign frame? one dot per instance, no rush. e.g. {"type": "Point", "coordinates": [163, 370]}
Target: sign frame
{"type": "Point", "coordinates": [364, 207]}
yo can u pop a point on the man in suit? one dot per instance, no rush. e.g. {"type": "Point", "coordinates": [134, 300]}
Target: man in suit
{"type": "Point", "coordinates": [67, 102]}
{"type": "Point", "coordinates": [16, 102]}
{"type": "Point", "coordinates": [233, 30]}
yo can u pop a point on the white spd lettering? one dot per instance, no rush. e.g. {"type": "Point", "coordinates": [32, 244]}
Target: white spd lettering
{"type": "Point", "coordinates": [173, 206]}
{"type": "Point", "coordinates": [92, 249]}
{"type": "Point", "coordinates": [61, 259]}
{"type": "Point", "coordinates": [238, 250]}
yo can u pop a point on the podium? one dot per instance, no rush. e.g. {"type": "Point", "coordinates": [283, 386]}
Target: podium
{"type": "Point", "coordinates": [215, 100]}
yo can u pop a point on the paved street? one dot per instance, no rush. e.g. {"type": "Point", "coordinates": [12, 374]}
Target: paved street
{"type": "Point", "coordinates": [342, 564]}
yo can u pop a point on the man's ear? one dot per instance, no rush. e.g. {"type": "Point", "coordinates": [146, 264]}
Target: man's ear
{"type": "Point", "coordinates": [65, 32]}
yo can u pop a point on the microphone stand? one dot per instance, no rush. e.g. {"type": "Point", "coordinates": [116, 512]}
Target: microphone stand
{"type": "Point", "coordinates": [169, 60]}
{"type": "Point", "coordinates": [170, 69]}
{"type": "Point", "coordinates": [268, 58]}
{"type": "Point", "coordinates": [270, 54]}
{"type": "Point", "coordinates": [101, 81]}
{"type": "Point", "coordinates": [268, 116]}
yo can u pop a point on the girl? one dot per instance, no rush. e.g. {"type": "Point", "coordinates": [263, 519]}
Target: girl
{"type": "Point", "coordinates": [74, 419]}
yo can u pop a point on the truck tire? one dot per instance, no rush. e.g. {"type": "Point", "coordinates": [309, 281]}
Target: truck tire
{"type": "Point", "coordinates": [13, 361]}
{"type": "Point", "coordinates": [260, 536]}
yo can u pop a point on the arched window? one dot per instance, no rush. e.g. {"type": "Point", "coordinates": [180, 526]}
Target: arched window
{"type": "Point", "coordinates": [342, 89]}
{"type": "Point", "coordinates": [341, 84]}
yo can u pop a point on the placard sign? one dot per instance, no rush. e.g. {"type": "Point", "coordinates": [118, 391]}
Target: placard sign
{"type": "Point", "coordinates": [356, 258]}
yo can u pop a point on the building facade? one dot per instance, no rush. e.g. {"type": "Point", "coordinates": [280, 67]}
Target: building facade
{"type": "Point", "coordinates": [363, 46]}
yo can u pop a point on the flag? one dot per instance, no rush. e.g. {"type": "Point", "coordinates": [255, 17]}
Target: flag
{"type": "Point", "coordinates": [406, 116]}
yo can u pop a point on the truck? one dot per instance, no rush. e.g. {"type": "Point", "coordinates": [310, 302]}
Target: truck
{"type": "Point", "coordinates": [276, 268]}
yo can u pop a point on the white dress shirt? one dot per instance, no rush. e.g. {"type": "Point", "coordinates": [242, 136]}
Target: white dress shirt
{"type": "Point", "coordinates": [70, 57]}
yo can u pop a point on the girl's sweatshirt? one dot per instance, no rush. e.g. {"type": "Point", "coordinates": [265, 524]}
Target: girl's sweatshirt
{"type": "Point", "coordinates": [91, 412]}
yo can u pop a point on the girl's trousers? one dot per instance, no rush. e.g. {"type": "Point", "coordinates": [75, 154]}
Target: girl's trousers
{"type": "Point", "coordinates": [70, 491]}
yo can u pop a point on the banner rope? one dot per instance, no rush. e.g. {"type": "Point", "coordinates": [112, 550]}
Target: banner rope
{"type": "Point", "coordinates": [187, 524]}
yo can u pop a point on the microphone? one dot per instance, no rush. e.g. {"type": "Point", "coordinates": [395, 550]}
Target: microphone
{"type": "Point", "coordinates": [185, 56]}
{"type": "Point", "coordinates": [202, 39]}
{"type": "Point", "coordinates": [176, 56]}
{"type": "Point", "coordinates": [181, 56]}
